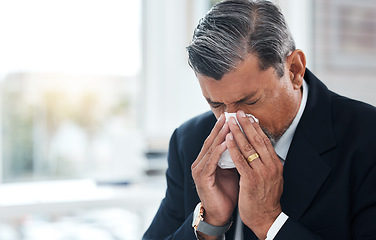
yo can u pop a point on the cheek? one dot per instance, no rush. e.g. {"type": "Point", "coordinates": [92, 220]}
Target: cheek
{"type": "Point", "coordinates": [275, 112]}
{"type": "Point", "coordinates": [217, 112]}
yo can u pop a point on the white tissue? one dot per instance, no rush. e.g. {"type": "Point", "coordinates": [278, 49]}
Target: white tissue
{"type": "Point", "coordinates": [225, 160]}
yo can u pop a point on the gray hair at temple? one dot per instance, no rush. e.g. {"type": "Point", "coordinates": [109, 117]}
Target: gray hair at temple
{"type": "Point", "coordinates": [234, 28]}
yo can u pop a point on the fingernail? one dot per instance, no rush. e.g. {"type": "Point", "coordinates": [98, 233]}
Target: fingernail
{"type": "Point", "coordinates": [233, 121]}
{"type": "Point", "coordinates": [251, 119]}
{"type": "Point", "coordinates": [230, 136]}
{"type": "Point", "coordinates": [242, 114]}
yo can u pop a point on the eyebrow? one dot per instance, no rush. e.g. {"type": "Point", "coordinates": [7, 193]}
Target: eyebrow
{"type": "Point", "coordinates": [249, 96]}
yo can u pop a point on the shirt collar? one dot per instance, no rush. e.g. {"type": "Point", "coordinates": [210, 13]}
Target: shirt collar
{"type": "Point", "coordinates": [283, 144]}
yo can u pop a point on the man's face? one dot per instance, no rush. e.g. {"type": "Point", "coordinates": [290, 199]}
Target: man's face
{"type": "Point", "coordinates": [273, 100]}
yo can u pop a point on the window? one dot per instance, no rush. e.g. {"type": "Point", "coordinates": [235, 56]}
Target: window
{"type": "Point", "coordinates": [69, 89]}
{"type": "Point", "coordinates": [78, 103]}
{"type": "Point", "coordinates": [345, 46]}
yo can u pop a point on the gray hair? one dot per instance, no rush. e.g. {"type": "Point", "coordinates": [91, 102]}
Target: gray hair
{"type": "Point", "coordinates": [234, 28]}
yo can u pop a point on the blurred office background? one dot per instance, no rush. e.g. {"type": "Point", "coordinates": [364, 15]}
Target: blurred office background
{"type": "Point", "coordinates": [91, 90]}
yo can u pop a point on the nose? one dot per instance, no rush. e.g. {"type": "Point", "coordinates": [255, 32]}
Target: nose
{"type": "Point", "coordinates": [232, 109]}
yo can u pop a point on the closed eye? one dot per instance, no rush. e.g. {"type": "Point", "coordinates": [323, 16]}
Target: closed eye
{"type": "Point", "coordinates": [215, 105]}
{"type": "Point", "coordinates": [253, 102]}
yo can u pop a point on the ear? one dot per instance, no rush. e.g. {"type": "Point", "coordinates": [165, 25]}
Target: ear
{"type": "Point", "coordinates": [296, 63]}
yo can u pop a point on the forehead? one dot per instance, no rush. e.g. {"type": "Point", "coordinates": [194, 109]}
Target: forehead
{"type": "Point", "coordinates": [233, 86]}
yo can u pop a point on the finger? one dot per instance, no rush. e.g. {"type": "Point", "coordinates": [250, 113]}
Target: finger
{"type": "Point", "coordinates": [208, 163]}
{"type": "Point", "coordinates": [213, 134]}
{"type": "Point", "coordinates": [236, 156]}
{"type": "Point", "coordinates": [242, 142]}
{"type": "Point", "coordinates": [219, 140]}
{"type": "Point", "coordinates": [269, 146]}
{"type": "Point", "coordinates": [212, 161]}
{"type": "Point", "coordinates": [256, 139]}
{"type": "Point", "coordinates": [210, 139]}
{"type": "Point", "coordinates": [221, 135]}
{"type": "Point", "coordinates": [208, 155]}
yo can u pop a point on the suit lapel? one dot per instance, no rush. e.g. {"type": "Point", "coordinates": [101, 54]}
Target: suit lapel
{"type": "Point", "coordinates": [305, 171]}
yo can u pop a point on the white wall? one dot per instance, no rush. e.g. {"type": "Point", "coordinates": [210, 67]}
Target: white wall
{"type": "Point", "coordinates": [171, 91]}
{"type": "Point", "coordinates": [315, 25]}
{"type": "Point", "coordinates": [299, 18]}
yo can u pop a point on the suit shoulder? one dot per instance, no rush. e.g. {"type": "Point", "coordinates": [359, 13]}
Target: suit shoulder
{"type": "Point", "coordinates": [199, 126]}
{"type": "Point", "coordinates": [352, 117]}
{"type": "Point", "coordinates": [353, 110]}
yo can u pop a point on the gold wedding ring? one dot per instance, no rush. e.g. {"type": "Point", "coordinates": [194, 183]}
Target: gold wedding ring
{"type": "Point", "coordinates": [252, 157]}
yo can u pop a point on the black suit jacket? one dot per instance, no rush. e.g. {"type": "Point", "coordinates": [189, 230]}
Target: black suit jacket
{"type": "Point", "coordinates": [329, 174]}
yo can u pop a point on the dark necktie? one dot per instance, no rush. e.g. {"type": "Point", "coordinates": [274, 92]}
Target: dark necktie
{"type": "Point", "coordinates": [248, 234]}
{"type": "Point", "coordinates": [230, 234]}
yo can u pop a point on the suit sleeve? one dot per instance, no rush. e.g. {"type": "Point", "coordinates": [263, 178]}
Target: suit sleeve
{"type": "Point", "coordinates": [293, 230]}
{"type": "Point", "coordinates": [170, 221]}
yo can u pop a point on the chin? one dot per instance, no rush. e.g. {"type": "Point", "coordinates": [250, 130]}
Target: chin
{"type": "Point", "coordinates": [272, 137]}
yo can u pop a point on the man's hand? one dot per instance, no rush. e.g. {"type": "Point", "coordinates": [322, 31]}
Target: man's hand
{"type": "Point", "coordinates": [261, 181]}
{"type": "Point", "coordinates": [217, 188]}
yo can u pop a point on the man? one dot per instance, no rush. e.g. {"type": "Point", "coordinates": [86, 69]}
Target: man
{"type": "Point", "coordinates": [307, 170]}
